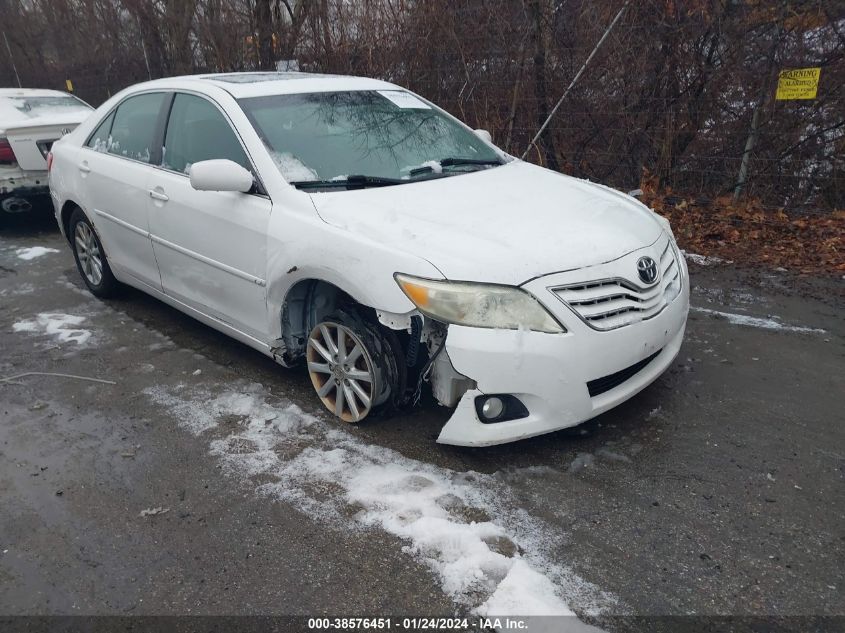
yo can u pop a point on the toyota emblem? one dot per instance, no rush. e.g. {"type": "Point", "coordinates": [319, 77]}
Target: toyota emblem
{"type": "Point", "coordinates": [647, 269]}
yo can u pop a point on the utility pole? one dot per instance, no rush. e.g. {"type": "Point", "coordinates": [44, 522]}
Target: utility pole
{"type": "Point", "coordinates": [146, 59]}
{"type": "Point", "coordinates": [768, 78]}
{"type": "Point", "coordinates": [12, 59]}
{"type": "Point", "coordinates": [144, 49]}
{"type": "Point", "coordinates": [575, 80]}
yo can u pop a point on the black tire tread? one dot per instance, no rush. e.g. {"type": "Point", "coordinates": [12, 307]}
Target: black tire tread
{"type": "Point", "coordinates": [108, 285]}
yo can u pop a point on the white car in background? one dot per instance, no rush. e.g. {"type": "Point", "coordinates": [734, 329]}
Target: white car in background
{"type": "Point", "coordinates": [30, 121]}
{"type": "Point", "coordinates": [352, 225]}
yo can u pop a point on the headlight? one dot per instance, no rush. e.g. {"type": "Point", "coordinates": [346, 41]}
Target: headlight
{"type": "Point", "coordinates": [478, 305]}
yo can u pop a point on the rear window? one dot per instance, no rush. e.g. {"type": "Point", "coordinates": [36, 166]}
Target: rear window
{"type": "Point", "coordinates": [39, 106]}
{"type": "Point", "coordinates": [101, 138]}
{"type": "Point", "coordinates": [133, 127]}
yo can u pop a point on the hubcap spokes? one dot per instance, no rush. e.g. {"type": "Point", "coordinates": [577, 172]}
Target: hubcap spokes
{"type": "Point", "coordinates": [341, 371]}
{"type": "Point", "coordinates": [90, 259]}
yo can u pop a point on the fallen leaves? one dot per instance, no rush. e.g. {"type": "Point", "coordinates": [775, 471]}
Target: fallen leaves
{"type": "Point", "coordinates": [750, 234]}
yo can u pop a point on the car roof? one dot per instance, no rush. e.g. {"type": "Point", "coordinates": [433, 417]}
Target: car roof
{"type": "Point", "coordinates": [256, 84]}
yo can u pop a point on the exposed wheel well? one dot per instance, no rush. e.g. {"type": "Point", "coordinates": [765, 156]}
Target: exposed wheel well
{"type": "Point", "coordinates": [312, 301]}
{"type": "Point", "coordinates": [67, 211]}
{"type": "Point", "coordinates": [305, 305]}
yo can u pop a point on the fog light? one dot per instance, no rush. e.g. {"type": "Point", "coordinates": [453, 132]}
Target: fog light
{"type": "Point", "coordinates": [492, 408]}
{"type": "Point", "coordinates": [499, 408]}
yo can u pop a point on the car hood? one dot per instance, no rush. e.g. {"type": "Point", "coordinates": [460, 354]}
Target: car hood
{"type": "Point", "coordinates": [503, 225]}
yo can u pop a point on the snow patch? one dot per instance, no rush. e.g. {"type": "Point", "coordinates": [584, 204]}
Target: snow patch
{"type": "Point", "coordinates": [705, 260]}
{"type": "Point", "coordinates": [525, 592]}
{"type": "Point", "coordinates": [107, 145]}
{"type": "Point", "coordinates": [62, 327]}
{"type": "Point", "coordinates": [488, 554]}
{"type": "Point", "coordinates": [33, 252]}
{"type": "Point", "coordinates": [293, 169]}
{"type": "Point", "coordinates": [24, 288]}
{"type": "Point", "coordinates": [765, 323]}
{"type": "Point", "coordinates": [433, 165]}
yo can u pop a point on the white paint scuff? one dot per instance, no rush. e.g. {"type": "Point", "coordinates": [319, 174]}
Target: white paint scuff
{"type": "Point", "coordinates": [33, 252]}
{"type": "Point", "coordinates": [488, 554]}
{"type": "Point", "coordinates": [62, 327]}
{"type": "Point", "coordinates": [765, 323]}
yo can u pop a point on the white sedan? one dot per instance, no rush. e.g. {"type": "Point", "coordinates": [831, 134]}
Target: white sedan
{"type": "Point", "coordinates": [30, 121]}
{"type": "Point", "coordinates": [352, 226]}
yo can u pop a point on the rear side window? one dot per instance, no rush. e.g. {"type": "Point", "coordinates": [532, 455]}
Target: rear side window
{"type": "Point", "coordinates": [198, 131]}
{"type": "Point", "coordinates": [99, 140]}
{"type": "Point", "coordinates": [134, 126]}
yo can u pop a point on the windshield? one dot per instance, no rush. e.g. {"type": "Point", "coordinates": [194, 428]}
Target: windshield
{"type": "Point", "coordinates": [38, 106]}
{"type": "Point", "coordinates": [377, 137]}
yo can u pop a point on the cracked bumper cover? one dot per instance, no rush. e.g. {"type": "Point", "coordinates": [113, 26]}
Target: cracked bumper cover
{"type": "Point", "coordinates": [24, 185]}
{"type": "Point", "coordinates": [549, 372]}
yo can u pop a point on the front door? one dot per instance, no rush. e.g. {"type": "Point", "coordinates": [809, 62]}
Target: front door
{"type": "Point", "coordinates": [211, 246]}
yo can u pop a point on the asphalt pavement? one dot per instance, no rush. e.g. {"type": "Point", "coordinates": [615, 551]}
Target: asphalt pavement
{"type": "Point", "coordinates": [206, 480]}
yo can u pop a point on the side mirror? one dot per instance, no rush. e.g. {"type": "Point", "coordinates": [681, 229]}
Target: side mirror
{"type": "Point", "coordinates": [220, 175]}
{"type": "Point", "coordinates": [484, 135]}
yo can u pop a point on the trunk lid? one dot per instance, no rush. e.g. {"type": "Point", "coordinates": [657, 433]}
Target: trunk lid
{"type": "Point", "coordinates": [32, 143]}
{"type": "Point", "coordinates": [32, 120]}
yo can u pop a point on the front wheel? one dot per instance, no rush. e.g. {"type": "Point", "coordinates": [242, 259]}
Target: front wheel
{"type": "Point", "coordinates": [353, 366]}
{"type": "Point", "coordinates": [90, 256]}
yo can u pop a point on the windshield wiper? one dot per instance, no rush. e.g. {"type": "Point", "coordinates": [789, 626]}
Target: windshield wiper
{"type": "Point", "coordinates": [354, 181]}
{"type": "Point", "coordinates": [448, 162]}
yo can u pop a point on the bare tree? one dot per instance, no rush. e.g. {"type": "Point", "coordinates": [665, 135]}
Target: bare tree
{"type": "Point", "coordinates": [676, 91]}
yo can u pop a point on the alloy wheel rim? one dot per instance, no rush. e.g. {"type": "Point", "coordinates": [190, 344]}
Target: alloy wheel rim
{"type": "Point", "coordinates": [341, 371]}
{"type": "Point", "coordinates": [90, 259]}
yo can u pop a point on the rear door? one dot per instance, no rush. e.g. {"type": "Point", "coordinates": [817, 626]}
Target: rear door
{"type": "Point", "coordinates": [211, 246]}
{"type": "Point", "coordinates": [116, 166]}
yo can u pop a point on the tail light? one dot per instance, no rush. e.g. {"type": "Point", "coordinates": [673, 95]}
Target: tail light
{"type": "Point", "coordinates": [49, 161]}
{"type": "Point", "coordinates": [7, 156]}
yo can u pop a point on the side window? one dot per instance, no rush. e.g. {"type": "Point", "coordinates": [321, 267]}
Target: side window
{"type": "Point", "coordinates": [198, 131]}
{"type": "Point", "coordinates": [100, 139]}
{"type": "Point", "coordinates": [134, 126]}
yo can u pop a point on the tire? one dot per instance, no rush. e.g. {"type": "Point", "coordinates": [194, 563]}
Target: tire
{"type": "Point", "coordinates": [372, 384]}
{"type": "Point", "coordinates": [90, 257]}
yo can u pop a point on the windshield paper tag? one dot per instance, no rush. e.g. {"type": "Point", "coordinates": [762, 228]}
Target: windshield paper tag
{"type": "Point", "coordinates": [404, 99]}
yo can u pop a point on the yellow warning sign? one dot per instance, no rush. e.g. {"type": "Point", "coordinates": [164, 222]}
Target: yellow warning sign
{"type": "Point", "coordinates": [798, 83]}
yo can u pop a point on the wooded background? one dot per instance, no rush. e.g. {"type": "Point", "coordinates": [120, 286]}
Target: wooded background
{"type": "Point", "coordinates": [668, 99]}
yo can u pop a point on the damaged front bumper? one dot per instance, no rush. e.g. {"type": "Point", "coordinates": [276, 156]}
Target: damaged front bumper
{"type": "Point", "coordinates": [556, 375]}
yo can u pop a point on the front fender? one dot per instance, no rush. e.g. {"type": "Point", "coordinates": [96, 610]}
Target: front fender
{"type": "Point", "coordinates": [358, 266]}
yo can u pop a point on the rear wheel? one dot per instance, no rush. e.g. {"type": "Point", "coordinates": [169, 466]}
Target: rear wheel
{"type": "Point", "coordinates": [90, 256]}
{"type": "Point", "coordinates": [353, 366]}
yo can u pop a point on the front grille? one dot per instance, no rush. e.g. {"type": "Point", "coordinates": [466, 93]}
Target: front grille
{"type": "Point", "coordinates": [607, 304]}
{"type": "Point", "coordinates": [606, 383]}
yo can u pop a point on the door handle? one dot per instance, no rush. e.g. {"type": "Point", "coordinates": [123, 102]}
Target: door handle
{"type": "Point", "coordinates": [84, 168]}
{"type": "Point", "coordinates": [158, 195]}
